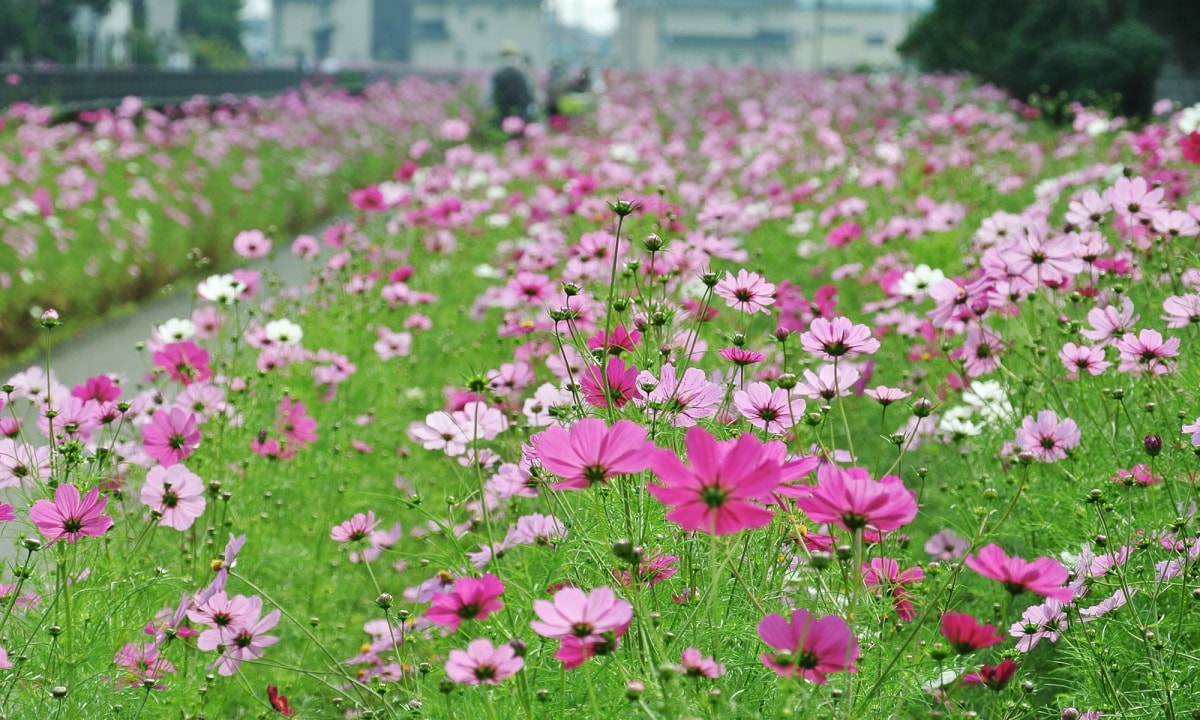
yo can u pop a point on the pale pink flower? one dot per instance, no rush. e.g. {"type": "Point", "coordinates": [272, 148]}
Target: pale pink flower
{"type": "Point", "coordinates": [175, 495]}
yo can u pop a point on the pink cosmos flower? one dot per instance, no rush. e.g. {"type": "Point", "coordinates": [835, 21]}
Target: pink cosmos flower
{"type": "Point", "coordinates": [1045, 621]}
{"type": "Point", "coordinates": [1044, 576]}
{"type": "Point", "coordinates": [592, 452]}
{"type": "Point", "coordinates": [483, 663]}
{"type": "Point", "coordinates": [611, 384]}
{"type": "Point", "coordinates": [966, 635]}
{"type": "Point", "coordinates": [684, 400]}
{"type": "Point", "coordinates": [693, 664]}
{"type": "Point", "coordinates": [885, 395]}
{"type": "Point", "coordinates": [299, 428]}
{"type": "Point", "coordinates": [650, 571]}
{"type": "Point", "coordinates": [748, 292]}
{"type": "Point", "coordinates": [1109, 323]}
{"type": "Point", "coordinates": [1048, 439]}
{"type": "Point", "coordinates": [721, 490]}
{"type": "Point", "coordinates": [142, 664]}
{"type": "Point", "coordinates": [175, 494]}
{"type": "Point", "coordinates": [1113, 602]}
{"type": "Point", "coordinates": [7, 512]}
{"type": "Point", "coordinates": [741, 356]}
{"type": "Point", "coordinates": [1180, 311]}
{"type": "Point", "coordinates": [947, 545]}
{"type": "Point", "coordinates": [772, 411]}
{"type": "Point", "coordinates": [356, 528]}
{"type": "Point", "coordinates": [1135, 199]}
{"type": "Point", "coordinates": [1194, 429]}
{"type": "Point", "coordinates": [185, 362]}
{"type": "Point", "coordinates": [471, 599]}
{"type": "Point", "coordinates": [980, 353]}
{"type": "Point", "coordinates": [583, 616]}
{"type": "Point", "coordinates": [251, 244]}
{"type": "Point", "coordinates": [808, 647]}
{"type": "Point", "coordinates": [837, 338]}
{"type": "Point", "coordinates": [828, 382]}
{"type": "Point", "coordinates": [885, 574]}
{"type": "Point", "coordinates": [850, 499]}
{"type": "Point", "coordinates": [170, 436]}
{"type": "Point", "coordinates": [440, 431]}
{"type": "Point", "coordinates": [1081, 358]}
{"type": "Point", "coordinates": [241, 641]}
{"type": "Point", "coordinates": [1147, 353]}
{"type": "Point", "coordinates": [69, 517]}
{"type": "Point", "coordinates": [97, 387]}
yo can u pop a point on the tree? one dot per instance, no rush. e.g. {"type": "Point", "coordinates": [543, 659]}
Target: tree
{"type": "Point", "coordinates": [41, 29]}
{"type": "Point", "coordinates": [1083, 48]}
{"type": "Point", "coordinates": [215, 29]}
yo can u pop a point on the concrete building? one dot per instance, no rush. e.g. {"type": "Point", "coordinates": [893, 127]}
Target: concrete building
{"type": "Point", "coordinates": [806, 34]}
{"type": "Point", "coordinates": [431, 33]}
{"type": "Point", "coordinates": [114, 34]}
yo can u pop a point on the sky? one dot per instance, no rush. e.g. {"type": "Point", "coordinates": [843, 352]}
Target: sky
{"type": "Point", "coordinates": [596, 15]}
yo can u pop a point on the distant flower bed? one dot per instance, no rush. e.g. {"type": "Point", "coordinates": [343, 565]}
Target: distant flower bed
{"type": "Point", "coordinates": [765, 395]}
{"type": "Point", "coordinates": [111, 208]}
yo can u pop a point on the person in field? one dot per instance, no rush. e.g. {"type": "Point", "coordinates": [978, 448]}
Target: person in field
{"type": "Point", "coordinates": [510, 90]}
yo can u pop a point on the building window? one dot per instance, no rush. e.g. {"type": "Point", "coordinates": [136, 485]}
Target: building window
{"type": "Point", "coordinates": [875, 40]}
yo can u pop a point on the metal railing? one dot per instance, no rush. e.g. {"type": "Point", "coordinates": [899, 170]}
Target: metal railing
{"type": "Point", "coordinates": [71, 90]}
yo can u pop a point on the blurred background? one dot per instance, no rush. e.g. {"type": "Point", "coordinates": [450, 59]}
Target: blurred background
{"type": "Point", "coordinates": [1123, 53]}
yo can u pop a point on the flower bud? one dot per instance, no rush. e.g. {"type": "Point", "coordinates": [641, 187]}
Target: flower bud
{"type": "Point", "coordinates": [1153, 445]}
{"type": "Point", "coordinates": [634, 689]}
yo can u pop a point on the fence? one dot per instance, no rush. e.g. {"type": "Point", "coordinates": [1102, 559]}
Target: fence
{"type": "Point", "coordinates": [72, 90]}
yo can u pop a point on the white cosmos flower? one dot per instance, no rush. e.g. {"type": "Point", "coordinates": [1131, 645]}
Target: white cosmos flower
{"type": "Point", "coordinates": [177, 330]}
{"type": "Point", "coordinates": [283, 331]}
{"type": "Point", "coordinates": [918, 280]}
{"type": "Point", "coordinates": [1189, 119]}
{"type": "Point", "coordinates": [222, 289]}
{"type": "Point", "coordinates": [990, 398]}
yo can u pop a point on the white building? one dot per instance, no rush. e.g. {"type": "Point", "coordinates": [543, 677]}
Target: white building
{"type": "Point", "coordinates": [432, 33]}
{"type": "Point", "coordinates": [114, 32]}
{"type": "Point", "coordinates": [826, 34]}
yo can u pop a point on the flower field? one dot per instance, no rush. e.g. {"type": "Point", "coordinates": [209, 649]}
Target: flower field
{"type": "Point", "coordinates": [755, 395]}
{"type": "Point", "coordinates": [109, 209]}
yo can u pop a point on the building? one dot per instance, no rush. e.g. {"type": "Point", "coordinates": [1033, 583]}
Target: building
{"type": "Point", "coordinates": [431, 33]}
{"type": "Point", "coordinates": [807, 34]}
{"type": "Point", "coordinates": [115, 37]}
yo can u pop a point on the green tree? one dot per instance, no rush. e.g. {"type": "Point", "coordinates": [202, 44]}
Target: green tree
{"type": "Point", "coordinates": [1083, 48]}
{"type": "Point", "coordinates": [215, 30]}
{"type": "Point", "coordinates": [41, 29]}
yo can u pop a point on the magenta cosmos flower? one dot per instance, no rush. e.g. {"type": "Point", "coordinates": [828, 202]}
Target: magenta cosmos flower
{"type": "Point", "coordinates": [853, 501]}
{"type": "Point", "coordinates": [592, 452]}
{"type": "Point", "coordinates": [837, 338]}
{"type": "Point", "coordinates": [482, 663]}
{"type": "Point", "coordinates": [747, 292]}
{"type": "Point", "coordinates": [170, 436]}
{"type": "Point", "coordinates": [613, 384]}
{"type": "Point", "coordinates": [808, 647]}
{"type": "Point", "coordinates": [70, 518]}
{"type": "Point", "coordinates": [185, 362]}
{"type": "Point", "coordinates": [721, 490]}
{"type": "Point", "coordinates": [1048, 439]}
{"type": "Point", "coordinates": [175, 494]}
{"type": "Point", "coordinates": [1044, 576]}
{"type": "Point", "coordinates": [965, 634]}
{"type": "Point", "coordinates": [471, 599]}
{"type": "Point", "coordinates": [584, 616]}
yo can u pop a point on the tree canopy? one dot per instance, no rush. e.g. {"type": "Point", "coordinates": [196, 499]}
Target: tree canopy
{"type": "Point", "coordinates": [1107, 48]}
{"type": "Point", "coordinates": [40, 30]}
